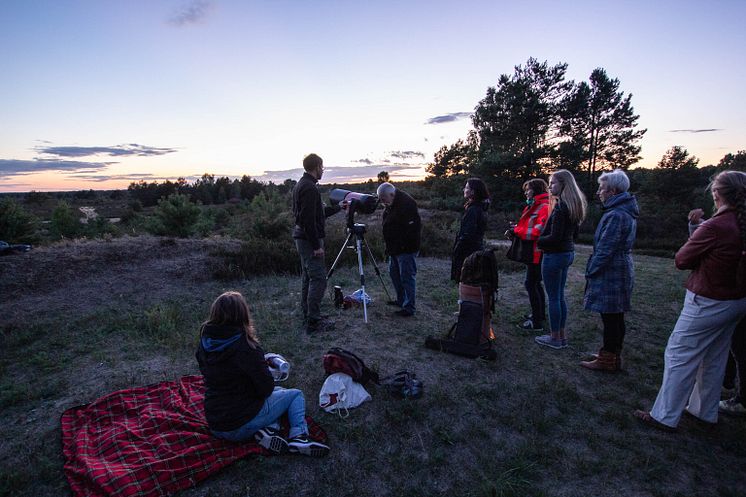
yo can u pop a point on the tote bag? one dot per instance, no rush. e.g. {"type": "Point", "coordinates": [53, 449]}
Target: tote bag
{"type": "Point", "coordinates": [521, 251]}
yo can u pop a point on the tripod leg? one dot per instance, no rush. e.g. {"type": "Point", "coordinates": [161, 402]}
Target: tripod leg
{"type": "Point", "coordinates": [359, 250]}
{"type": "Point", "coordinates": [375, 268]}
{"type": "Point", "coordinates": [334, 265]}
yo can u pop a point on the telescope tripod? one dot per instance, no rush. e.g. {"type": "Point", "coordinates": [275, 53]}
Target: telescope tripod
{"type": "Point", "coordinates": [358, 231]}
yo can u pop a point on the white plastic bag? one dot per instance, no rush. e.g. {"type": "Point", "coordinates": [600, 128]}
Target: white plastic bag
{"type": "Point", "coordinates": [339, 392]}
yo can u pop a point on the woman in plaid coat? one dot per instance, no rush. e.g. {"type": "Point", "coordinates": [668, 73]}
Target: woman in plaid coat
{"type": "Point", "coordinates": [609, 274]}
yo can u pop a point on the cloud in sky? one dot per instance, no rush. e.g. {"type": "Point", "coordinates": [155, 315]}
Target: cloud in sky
{"type": "Point", "coordinates": [129, 149]}
{"type": "Point", "coordinates": [190, 12]}
{"type": "Point", "coordinates": [364, 161]}
{"type": "Point", "coordinates": [406, 154]}
{"type": "Point", "coordinates": [703, 130]}
{"type": "Point", "coordinates": [340, 174]}
{"type": "Point", "coordinates": [448, 118]}
{"type": "Point", "coordinates": [12, 167]}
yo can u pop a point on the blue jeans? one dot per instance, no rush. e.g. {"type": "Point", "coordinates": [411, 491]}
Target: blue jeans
{"type": "Point", "coordinates": [279, 401]}
{"type": "Point", "coordinates": [403, 272]}
{"type": "Point", "coordinates": [554, 272]}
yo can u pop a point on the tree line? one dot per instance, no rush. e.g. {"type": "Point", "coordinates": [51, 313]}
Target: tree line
{"type": "Point", "coordinates": [534, 120]}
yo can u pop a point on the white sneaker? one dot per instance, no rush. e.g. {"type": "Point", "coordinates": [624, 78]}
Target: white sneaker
{"type": "Point", "coordinates": [304, 445]}
{"type": "Point", "coordinates": [270, 439]}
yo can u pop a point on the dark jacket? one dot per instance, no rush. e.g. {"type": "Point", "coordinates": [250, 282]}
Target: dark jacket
{"type": "Point", "coordinates": [712, 253]}
{"type": "Point", "coordinates": [309, 211]}
{"type": "Point", "coordinates": [401, 225]}
{"type": "Point", "coordinates": [470, 237]}
{"type": "Point", "coordinates": [559, 232]}
{"type": "Point", "coordinates": [237, 379]}
{"type": "Point", "coordinates": [609, 273]}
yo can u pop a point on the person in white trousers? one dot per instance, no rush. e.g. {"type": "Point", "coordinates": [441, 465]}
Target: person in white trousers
{"type": "Point", "coordinates": [715, 301]}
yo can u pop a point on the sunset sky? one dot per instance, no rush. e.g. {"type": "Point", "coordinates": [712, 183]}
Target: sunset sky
{"type": "Point", "coordinates": [99, 93]}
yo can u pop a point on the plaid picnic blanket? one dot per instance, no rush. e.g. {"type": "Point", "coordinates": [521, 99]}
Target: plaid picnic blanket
{"type": "Point", "coordinates": [147, 441]}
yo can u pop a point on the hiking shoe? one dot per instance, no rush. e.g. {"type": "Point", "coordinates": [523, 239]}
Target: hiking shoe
{"type": "Point", "coordinates": [319, 325]}
{"type": "Point", "coordinates": [528, 325]}
{"type": "Point", "coordinates": [548, 341]}
{"type": "Point", "coordinates": [405, 313]}
{"type": "Point", "coordinates": [307, 447]}
{"type": "Point", "coordinates": [270, 439]}
{"type": "Point", "coordinates": [732, 406]}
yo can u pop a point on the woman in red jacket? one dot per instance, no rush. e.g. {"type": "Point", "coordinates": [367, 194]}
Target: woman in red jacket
{"type": "Point", "coordinates": [529, 228]}
{"type": "Point", "coordinates": [715, 301]}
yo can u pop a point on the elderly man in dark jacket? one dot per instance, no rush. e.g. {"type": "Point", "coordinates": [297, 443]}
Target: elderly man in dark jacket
{"type": "Point", "coordinates": [309, 231]}
{"type": "Point", "coordinates": [401, 233]}
{"type": "Point", "coordinates": [610, 275]}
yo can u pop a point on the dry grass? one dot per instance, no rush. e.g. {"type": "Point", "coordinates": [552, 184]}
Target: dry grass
{"type": "Point", "coordinates": [81, 319]}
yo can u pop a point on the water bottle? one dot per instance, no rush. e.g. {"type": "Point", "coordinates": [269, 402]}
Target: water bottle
{"type": "Point", "coordinates": [278, 366]}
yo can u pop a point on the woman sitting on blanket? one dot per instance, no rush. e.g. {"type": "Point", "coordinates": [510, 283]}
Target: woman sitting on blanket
{"type": "Point", "coordinates": [241, 400]}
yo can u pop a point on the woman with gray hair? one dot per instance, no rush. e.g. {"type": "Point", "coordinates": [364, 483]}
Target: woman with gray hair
{"type": "Point", "coordinates": [609, 274]}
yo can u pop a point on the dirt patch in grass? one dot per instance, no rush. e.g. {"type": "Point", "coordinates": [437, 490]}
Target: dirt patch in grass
{"type": "Point", "coordinates": [82, 319]}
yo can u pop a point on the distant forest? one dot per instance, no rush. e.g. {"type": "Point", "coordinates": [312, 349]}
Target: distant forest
{"type": "Point", "coordinates": [530, 123]}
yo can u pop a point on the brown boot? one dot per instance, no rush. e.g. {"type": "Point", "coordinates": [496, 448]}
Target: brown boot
{"type": "Point", "coordinates": [604, 361]}
{"type": "Point", "coordinates": [619, 361]}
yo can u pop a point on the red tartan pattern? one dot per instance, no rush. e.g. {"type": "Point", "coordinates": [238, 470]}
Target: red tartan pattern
{"type": "Point", "coordinates": [147, 441]}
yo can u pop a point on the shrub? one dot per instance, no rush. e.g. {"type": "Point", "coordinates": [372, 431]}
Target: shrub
{"type": "Point", "coordinates": [256, 257]}
{"type": "Point", "coordinates": [65, 222]}
{"type": "Point", "coordinates": [175, 216]}
{"type": "Point", "coordinates": [16, 225]}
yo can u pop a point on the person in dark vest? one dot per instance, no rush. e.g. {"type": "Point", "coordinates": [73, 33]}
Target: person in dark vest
{"type": "Point", "coordinates": [241, 400]}
{"type": "Point", "coordinates": [470, 236]}
{"type": "Point", "coordinates": [310, 217]}
{"type": "Point", "coordinates": [401, 234]}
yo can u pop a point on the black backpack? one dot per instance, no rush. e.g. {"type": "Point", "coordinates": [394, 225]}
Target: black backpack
{"type": "Point", "coordinates": [472, 335]}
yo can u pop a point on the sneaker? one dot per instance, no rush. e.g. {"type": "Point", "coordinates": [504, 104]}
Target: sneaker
{"type": "Point", "coordinates": [528, 325]}
{"type": "Point", "coordinates": [307, 447]}
{"type": "Point", "coordinates": [270, 439]}
{"type": "Point", "coordinates": [732, 406]}
{"type": "Point", "coordinates": [528, 316]}
{"type": "Point", "coordinates": [548, 341]}
{"type": "Point", "coordinates": [405, 313]}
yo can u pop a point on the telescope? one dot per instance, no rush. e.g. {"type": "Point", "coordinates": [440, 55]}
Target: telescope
{"type": "Point", "coordinates": [359, 202]}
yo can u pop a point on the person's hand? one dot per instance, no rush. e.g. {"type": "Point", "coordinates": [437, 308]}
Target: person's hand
{"type": "Point", "coordinates": [344, 204]}
{"type": "Point", "coordinates": [695, 216]}
{"type": "Point", "coordinates": [319, 252]}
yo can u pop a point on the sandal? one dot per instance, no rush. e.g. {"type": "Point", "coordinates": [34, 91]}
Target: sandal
{"type": "Point", "coordinates": [649, 420]}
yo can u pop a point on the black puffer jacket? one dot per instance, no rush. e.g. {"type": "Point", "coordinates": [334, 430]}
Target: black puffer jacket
{"type": "Point", "coordinates": [401, 225]}
{"type": "Point", "coordinates": [470, 237]}
{"type": "Point", "coordinates": [559, 232]}
{"type": "Point", "coordinates": [237, 379]}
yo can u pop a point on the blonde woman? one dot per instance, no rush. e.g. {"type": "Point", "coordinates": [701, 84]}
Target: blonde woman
{"type": "Point", "coordinates": [557, 244]}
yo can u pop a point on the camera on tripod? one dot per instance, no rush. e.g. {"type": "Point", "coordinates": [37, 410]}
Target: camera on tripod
{"type": "Point", "coordinates": [356, 202]}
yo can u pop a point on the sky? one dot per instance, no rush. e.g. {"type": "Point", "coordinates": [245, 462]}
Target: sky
{"type": "Point", "coordinates": [97, 94]}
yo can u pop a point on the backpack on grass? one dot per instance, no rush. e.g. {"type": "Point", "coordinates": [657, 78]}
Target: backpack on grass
{"type": "Point", "coordinates": [338, 360]}
{"type": "Point", "coordinates": [472, 335]}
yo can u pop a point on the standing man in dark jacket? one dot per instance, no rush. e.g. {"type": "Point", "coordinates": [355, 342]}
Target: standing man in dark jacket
{"type": "Point", "coordinates": [310, 217]}
{"type": "Point", "coordinates": [401, 233]}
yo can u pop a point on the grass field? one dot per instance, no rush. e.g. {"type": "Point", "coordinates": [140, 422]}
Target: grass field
{"type": "Point", "coordinates": [82, 319]}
